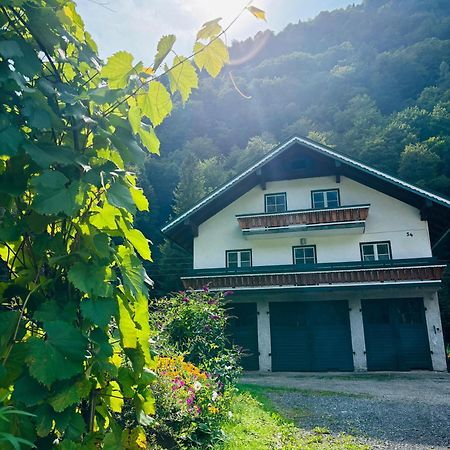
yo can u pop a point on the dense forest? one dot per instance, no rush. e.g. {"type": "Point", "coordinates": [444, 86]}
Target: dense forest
{"type": "Point", "coordinates": [371, 80]}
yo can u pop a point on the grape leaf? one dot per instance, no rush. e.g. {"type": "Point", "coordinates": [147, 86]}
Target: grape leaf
{"type": "Point", "coordinates": [139, 198]}
{"type": "Point", "coordinates": [156, 103]}
{"type": "Point", "coordinates": [212, 56]}
{"type": "Point", "coordinates": [149, 140]}
{"type": "Point", "coordinates": [98, 311]}
{"type": "Point", "coordinates": [210, 29]}
{"type": "Point", "coordinates": [165, 45]}
{"type": "Point", "coordinates": [134, 117]}
{"type": "Point", "coordinates": [91, 278]}
{"type": "Point", "coordinates": [127, 327]}
{"type": "Point", "coordinates": [258, 13]}
{"type": "Point", "coordinates": [182, 77]}
{"type": "Point", "coordinates": [59, 357]}
{"type": "Point", "coordinates": [118, 69]}
{"type": "Point", "coordinates": [55, 193]}
{"type": "Point", "coordinates": [70, 392]}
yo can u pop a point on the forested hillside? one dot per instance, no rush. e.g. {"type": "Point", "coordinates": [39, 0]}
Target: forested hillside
{"type": "Point", "coordinates": [372, 80]}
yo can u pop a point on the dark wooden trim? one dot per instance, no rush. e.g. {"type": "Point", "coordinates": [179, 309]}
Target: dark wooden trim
{"type": "Point", "coordinates": [303, 246]}
{"type": "Point", "coordinates": [372, 243]}
{"type": "Point", "coordinates": [239, 250]}
{"type": "Point", "coordinates": [275, 193]}
{"type": "Point", "coordinates": [321, 278]}
{"type": "Point", "coordinates": [325, 190]}
{"type": "Point", "coordinates": [307, 217]}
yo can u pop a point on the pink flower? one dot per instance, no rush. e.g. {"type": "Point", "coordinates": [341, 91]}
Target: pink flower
{"type": "Point", "coordinates": [227, 293]}
{"type": "Point", "coordinates": [205, 289]}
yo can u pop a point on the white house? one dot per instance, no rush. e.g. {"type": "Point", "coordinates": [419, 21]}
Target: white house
{"type": "Point", "coordinates": [330, 261]}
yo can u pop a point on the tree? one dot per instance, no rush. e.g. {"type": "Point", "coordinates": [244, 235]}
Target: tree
{"type": "Point", "coordinates": [74, 324]}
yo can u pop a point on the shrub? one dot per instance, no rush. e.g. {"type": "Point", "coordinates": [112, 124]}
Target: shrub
{"type": "Point", "coordinates": [190, 405]}
{"type": "Point", "coordinates": [194, 324]}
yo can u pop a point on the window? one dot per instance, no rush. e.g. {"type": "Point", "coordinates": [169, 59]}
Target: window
{"type": "Point", "coordinates": [305, 254]}
{"type": "Point", "coordinates": [376, 251]}
{"type": "Point", "coordinates": [238, 258]}
{"type": "Point", "coordinates": [275, 203]}
{"type": "Point", "coordinates": [325, 199]}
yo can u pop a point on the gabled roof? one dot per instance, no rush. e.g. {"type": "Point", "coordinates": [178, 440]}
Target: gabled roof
{"type": "Point", "coordinates": [435, 207]}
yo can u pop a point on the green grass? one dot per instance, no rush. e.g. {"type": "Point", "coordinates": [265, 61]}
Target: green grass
{"type": "Point", "coordinates": [260, 390]}
{"type": "Point", "coordinates": [256, 424]}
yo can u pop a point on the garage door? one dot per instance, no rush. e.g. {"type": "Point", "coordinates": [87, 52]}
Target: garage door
{"type": "Point", "coordinates": [243, 330]}
{"type": "Point", "coordinates": [311, 336]}
{"type": "Point", "coordinates": [396, 334]}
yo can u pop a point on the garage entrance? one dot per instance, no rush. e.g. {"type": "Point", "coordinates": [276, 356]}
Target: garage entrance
{"type": "Point", "coordinates": [311, 336]}
{"type": "Point", "coordinates": [396, 334]}
{"type": "Point", "coordinates": [243, 330]}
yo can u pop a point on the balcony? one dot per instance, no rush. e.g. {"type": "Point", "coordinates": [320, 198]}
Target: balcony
{"type": "Point", "coordinates": [358, 273]}
{"type": "Point", "coordinates": [315, 222]}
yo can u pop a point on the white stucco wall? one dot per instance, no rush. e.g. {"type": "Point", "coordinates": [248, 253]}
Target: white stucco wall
{"type": "Point", "coordinates": [389, 220]}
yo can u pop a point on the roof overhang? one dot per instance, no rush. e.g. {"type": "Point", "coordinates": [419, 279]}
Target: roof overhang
{"type": "Point", "coordinates": [285, 162]}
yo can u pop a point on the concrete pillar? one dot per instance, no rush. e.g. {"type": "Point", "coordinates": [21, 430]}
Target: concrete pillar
{"type": "Point", "coordinates": [357, 330]}
{"type": "Point", "coordinates": [434, 328]}
{"type": "Point", "coordinates": [264, 344]}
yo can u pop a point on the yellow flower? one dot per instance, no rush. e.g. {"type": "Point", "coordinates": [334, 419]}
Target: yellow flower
{"type": "Point", "coordinates": [212, 409]}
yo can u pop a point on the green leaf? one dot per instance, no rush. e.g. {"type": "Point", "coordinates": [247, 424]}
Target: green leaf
{"type": "Point", "coordinates": [8, 323]}
{"type": "Point", "coordinates": [156, 103]}
{"type": "Point", "coordinates": [210, 29]}
{"type": "Point", "coordinates": [212, 56]}
{"type": "Point", "coordinates": [127, 327]}
{"type": "Point", "coordinates": [118, 70]}
{"type": "Point", "coordinates": [70, 393]}
{"type": "Point", "coordinates": [134, 117]}
{"type": "Point", "coordinates": [55, 194]}
{"type": "Point", "coordinates": [139, 198]}
{"type": "Point", "coordinates": [133, 273]}
{"type": "Point", "coordinates": [149, 140]}
{"type": "Point", "coordinates": [142, 319]}
{"type": "Point", "coordinates": [28, 391]}
{"type": "Point", "coordinates": [119, 195]}
{"type": "Point", "coordinates": [139, 242]}
{"type": "Point", "coordinates": [182, 77]}
{"type": "Point", "coordinates": [91, 278]}
{"type": "Point", "coordinates": [114, 397]}
{"type": "Point", "coordinates": [10, 141]}
{"type": "Point", "coordinates": [59, 357]}
{"type": "Point", "coordinates": [46, 155]}
{"type": "Point", "coordinates": [10, 49]}
{"type": "Point", "coordinates": [165, 45]}
{"type": "Point", "coordinates": [258, 13]}
{"type": "Point", "coordinates": [98, 311]}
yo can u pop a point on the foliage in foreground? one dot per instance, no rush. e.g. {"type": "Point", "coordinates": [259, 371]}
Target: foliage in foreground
{"type": "Point", "coordinates": [255, 425]}
{"type": "Point", "coordinates": [74, 323]}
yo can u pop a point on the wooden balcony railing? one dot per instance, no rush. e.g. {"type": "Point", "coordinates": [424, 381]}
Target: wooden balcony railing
{"type": "Point", "coordinates": [343, 214]}
{"type": "Point", "coordinates": [297, 277]}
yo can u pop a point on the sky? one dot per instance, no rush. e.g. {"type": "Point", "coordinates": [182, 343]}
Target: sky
{"type": "Point", "coordinates": [137, 25]}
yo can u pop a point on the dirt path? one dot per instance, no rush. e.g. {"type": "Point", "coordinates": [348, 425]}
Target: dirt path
{"type": "Point", "coordinates": [388, 410]}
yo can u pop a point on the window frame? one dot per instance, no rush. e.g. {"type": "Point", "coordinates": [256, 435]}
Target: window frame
{"type": "Point", "coordinates": [273, 194]}
{"type": "Point", "coordinates": [238, 251]}
{"type": "Point", "coordinates": [325, 199]}
{"type": "Point", "coordinates": [304, 246]}
{"type": "Point", "coordinates": [374, 244]}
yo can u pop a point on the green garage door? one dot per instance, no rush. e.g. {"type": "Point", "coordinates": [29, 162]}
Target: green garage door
{"type": "Point", "coordinates": [396, 334]}
{"type": "Point", "coordinates": [311, 336]}
{"type": "Point", "coordinates": [243, 330]}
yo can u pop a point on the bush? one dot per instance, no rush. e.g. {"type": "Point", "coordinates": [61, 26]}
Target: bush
{"type": "Point", "coordinates": [194, 325]}
{"type": "Point", "coordinates": [190, 405]}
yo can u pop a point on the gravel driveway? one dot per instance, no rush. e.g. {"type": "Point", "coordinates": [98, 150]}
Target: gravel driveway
{"type": "Point", "coordinates": [386, 410]}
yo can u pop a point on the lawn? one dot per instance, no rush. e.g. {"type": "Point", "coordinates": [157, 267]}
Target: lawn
{"type": "Point", "coordinates": [255, 424]}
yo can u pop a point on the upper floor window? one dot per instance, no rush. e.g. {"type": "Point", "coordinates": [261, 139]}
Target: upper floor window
{"type": "Point", "coordinates": [376, 251]}
{"type": "Point", "coordinates": [238, 258]}
{"type": "Point", "coordinates": [305, 254]}
{"type": "Point", "coordinates": [325, 199]}
{"type": "Point", "coordinates": [275, 203]}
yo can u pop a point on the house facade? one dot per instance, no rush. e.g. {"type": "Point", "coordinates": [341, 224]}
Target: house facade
{"type": "Point", "coordinates": [330, 261]}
